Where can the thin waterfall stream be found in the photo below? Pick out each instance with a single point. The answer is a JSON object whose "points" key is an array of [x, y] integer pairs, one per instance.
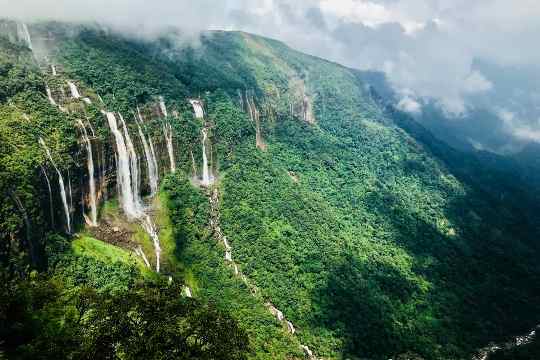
{"points": [[92, 182], [61, 184]]}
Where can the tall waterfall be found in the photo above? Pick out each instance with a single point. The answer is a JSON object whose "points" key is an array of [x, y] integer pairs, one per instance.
{"points": [[74, 91], [153, 152], [90, 165], [53, 70], [127, 180], [197, 108], [51, 209], [139, 251], [162, 106], [150, 228], [206, 180], [134, 164], [62, 186], [168, 134], [150, 161], [24, 34], [49, 95], [123, 173]]}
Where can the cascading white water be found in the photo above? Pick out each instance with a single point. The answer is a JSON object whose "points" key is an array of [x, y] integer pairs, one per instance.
{"points": [[206, 180], [150, 228], [139, 251], [162, 106], [127, 181], [123, 173], [153, 152], [62, 186], [290, 327], [49, 95], [197, 108], [168, 134], [71, 208], [50, 195], [53, 70], [74, 91], [24, 34], [134, 164], [90, 166], [150, 164]]}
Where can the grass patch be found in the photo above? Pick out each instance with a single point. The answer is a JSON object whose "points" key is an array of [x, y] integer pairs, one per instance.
{"points": [[107, 253]]}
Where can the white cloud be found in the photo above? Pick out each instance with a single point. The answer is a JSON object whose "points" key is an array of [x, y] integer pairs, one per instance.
{"points": [[409, 105], [476, 82], [427, 46]]}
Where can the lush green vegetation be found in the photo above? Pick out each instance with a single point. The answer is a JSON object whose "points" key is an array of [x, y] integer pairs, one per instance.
{"points": [[215, 282], [39, 319], [375, 239]]}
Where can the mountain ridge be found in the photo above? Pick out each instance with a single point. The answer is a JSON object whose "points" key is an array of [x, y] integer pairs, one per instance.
{"points": [[354, 228]]}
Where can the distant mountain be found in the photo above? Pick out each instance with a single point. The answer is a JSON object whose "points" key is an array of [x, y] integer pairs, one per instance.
{"points": [[292, 202]]}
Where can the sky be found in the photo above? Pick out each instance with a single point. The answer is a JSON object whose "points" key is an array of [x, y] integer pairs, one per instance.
{"points": [[430, 50]]}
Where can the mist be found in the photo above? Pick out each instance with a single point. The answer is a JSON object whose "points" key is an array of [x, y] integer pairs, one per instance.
{"points": [[440, 52]]}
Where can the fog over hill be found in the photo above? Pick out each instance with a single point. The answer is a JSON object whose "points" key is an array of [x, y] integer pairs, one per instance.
{"points": [[460, 56]]}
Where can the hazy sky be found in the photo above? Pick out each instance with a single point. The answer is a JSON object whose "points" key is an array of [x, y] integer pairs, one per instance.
{"points": [[426, 47]]}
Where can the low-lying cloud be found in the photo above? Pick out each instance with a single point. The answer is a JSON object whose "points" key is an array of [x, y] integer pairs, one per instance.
{"points": [[427, 48]]}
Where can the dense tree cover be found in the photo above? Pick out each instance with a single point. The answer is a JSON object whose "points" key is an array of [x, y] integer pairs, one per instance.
{"points": [[357, 228], [376, 240], [39, 319], [213, 281]]}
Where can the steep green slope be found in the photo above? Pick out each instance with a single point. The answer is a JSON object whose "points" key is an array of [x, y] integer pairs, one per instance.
{"points": [[368, 238]]}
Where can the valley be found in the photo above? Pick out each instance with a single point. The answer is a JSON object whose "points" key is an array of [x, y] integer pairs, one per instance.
{"points": [[264, 196]]}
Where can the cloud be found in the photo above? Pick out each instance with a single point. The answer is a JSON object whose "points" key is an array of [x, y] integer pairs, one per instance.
{"points": [[429, 47], [476, 82], [409, 105]]}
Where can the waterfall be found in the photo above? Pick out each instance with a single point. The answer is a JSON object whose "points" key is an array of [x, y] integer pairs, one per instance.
{"points": [[290, 327], [167, 133], [71, 208], [307, 352], [51, 209], [134, 164], [228, 255], [226, 243], [254, 116], [53, 70], [197, 108], [241, 100], [153, 152], [150, 162], [24, 34], [62, 186], [49, 95], [90, 165], [128, 179], [74, 91], [150, 228], [139, 251], [205, 173], [162, 106], [123, 173]]}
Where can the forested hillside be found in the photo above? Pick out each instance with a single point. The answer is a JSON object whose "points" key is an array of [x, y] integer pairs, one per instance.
{"points": [[234, 198]]}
